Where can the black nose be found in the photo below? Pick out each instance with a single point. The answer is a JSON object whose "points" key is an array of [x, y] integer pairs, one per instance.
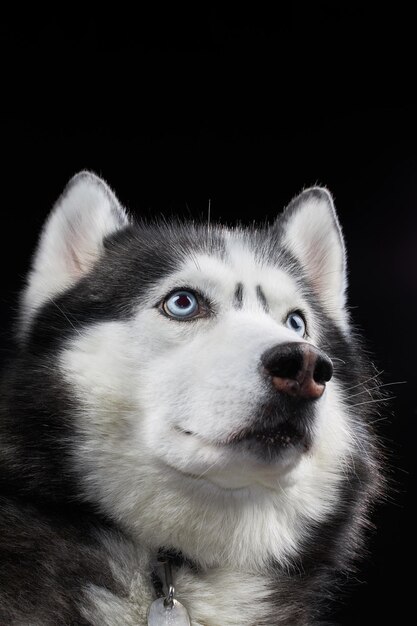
{"points": [[298, 369]]}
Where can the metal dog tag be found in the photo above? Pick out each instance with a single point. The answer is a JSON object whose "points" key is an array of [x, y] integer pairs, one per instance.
{"points": [[162, 613]]}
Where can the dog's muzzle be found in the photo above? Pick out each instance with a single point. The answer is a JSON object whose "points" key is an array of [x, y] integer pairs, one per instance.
{"points": [[295, 374]]}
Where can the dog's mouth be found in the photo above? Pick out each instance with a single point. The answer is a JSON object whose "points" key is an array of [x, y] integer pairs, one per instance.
{"points": [[267, 443], [273, 442], [285, 435]]}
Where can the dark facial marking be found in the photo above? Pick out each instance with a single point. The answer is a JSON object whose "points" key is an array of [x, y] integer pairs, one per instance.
{"points": [[261, 297], [238, 296]]}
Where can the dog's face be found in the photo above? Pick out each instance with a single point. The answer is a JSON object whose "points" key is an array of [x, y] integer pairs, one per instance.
{"points": [[204, 402], [202, 362]]}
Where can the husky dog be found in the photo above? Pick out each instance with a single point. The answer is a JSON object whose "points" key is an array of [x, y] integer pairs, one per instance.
{"points": [[183, 394]]}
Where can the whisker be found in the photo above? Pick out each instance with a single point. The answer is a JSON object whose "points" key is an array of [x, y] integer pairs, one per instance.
{"points": [[380, 419], [376, 400], [334, 358], [366, 381], [377, 387], [65, 315], [397, 382], [208, 469]]}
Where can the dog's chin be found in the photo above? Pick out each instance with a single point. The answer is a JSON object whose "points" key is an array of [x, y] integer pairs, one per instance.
{"points": [[255, 471], [255, 456]]}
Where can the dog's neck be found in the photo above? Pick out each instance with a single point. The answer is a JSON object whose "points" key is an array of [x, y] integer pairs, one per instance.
{"points": [[216, 595], [166, 608], [168, 561]]}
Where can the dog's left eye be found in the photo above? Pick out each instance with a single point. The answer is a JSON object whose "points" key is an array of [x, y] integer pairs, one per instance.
{"points": [[181, 305], [296, 322]]}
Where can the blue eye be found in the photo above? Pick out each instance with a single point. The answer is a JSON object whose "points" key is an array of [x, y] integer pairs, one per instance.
{"points": [[296, 322], [181, 305]]}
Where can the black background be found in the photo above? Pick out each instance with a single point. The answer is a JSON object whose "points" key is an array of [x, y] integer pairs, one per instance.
{"points": [[243, 108]]}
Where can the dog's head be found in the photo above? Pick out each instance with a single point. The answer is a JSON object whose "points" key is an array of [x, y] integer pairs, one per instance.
{"points": [[204, 366]]}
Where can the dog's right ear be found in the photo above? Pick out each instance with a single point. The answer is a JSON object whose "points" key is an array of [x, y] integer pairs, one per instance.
{"points": [[312, 234], [71, 241]]}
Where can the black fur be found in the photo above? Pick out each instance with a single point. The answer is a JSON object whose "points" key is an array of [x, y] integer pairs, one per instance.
{"points": [[238, 297]]}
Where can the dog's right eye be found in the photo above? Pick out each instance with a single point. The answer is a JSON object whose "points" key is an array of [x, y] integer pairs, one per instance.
{"points": [[181, 305]]}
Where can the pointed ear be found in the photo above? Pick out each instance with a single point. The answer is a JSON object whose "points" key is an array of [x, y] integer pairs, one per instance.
{"points": [[312, 233], [71, 240]]}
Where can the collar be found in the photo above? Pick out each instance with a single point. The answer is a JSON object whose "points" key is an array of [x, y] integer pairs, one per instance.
{"points": [[166, 607], [166, 561]]}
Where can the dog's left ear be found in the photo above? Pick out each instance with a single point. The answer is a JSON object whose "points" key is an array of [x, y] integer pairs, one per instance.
{"points": [[71, 242], [312, 234]]}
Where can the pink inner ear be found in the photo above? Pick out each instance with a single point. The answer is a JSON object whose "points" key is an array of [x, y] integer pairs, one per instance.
{"points": [[80, 261], [74, 262], [83, 244]]}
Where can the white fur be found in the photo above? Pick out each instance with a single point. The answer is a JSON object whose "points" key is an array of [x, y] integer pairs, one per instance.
{"points": [[130, 569], [71, 241], [224, 596]]}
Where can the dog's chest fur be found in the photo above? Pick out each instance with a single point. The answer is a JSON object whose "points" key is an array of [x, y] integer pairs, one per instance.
{"points": [[219, 597]]}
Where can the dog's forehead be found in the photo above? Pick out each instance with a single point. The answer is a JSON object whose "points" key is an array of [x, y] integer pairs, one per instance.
{"points": [[241, 260], [245, 253]]}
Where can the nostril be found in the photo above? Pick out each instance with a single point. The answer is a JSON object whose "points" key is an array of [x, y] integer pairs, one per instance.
{"points": [[323, 370], [283, 361], [286, 367]]}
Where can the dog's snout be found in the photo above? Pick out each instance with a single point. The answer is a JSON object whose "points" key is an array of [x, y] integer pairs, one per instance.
{"points": [[298, 369]]}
